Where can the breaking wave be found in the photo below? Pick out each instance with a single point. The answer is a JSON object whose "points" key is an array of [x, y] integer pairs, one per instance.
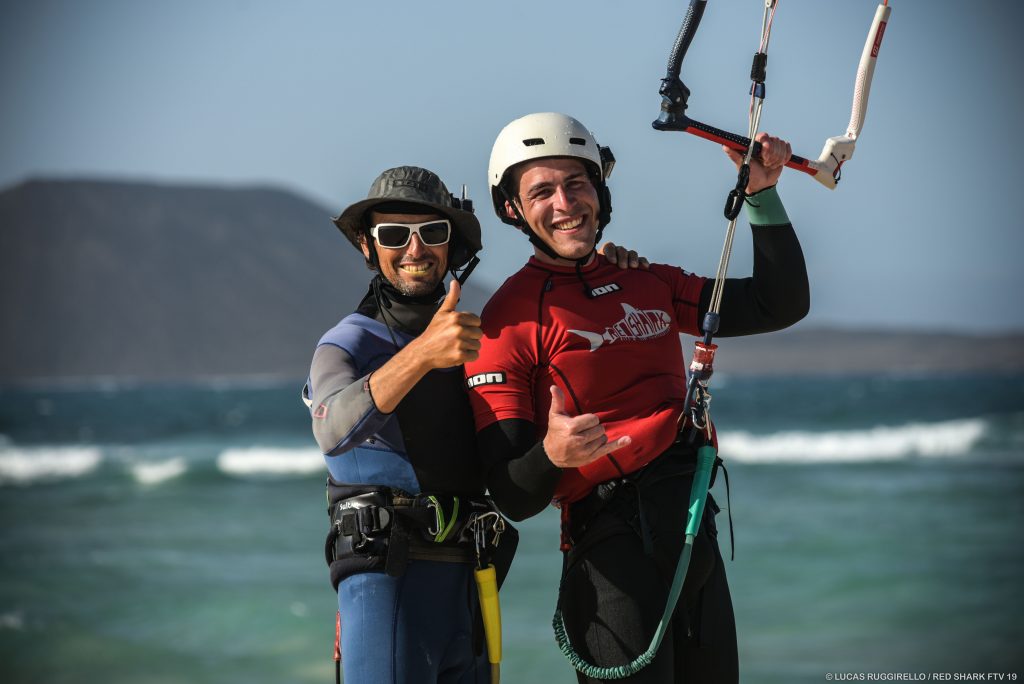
{"points": [[277, 461], [156, 472], [149, 465], [23, 466], [26, 465], [943, 439]]}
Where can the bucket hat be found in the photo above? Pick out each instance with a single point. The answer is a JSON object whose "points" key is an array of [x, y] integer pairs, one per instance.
{"points": [[412, 185]]}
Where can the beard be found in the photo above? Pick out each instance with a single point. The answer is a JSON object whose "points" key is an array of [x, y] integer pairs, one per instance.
{"points": [[407, 284], [417, 289]]}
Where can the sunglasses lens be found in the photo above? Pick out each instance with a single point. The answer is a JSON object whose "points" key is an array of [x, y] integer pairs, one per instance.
{"points": [[392, 235], [397, 235], [434, 233]]}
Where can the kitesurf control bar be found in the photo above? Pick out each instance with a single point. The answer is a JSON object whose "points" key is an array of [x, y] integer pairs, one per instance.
{"points": [[837, 149]]}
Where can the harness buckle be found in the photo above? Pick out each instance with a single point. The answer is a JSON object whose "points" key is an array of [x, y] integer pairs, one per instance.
{"points": [[362, 518]]}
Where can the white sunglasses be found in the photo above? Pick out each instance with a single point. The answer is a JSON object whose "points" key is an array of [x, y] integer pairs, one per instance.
{"points": [[397, 235]]}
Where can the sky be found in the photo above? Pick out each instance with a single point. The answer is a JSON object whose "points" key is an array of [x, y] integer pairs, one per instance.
{"points": [[319, 96]]}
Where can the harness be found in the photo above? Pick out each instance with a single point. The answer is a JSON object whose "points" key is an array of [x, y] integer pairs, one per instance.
{"points": [[574, 521], [374, 528]]}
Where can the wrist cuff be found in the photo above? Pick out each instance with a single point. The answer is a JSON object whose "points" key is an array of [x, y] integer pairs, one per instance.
{"points": [[764, 208]]}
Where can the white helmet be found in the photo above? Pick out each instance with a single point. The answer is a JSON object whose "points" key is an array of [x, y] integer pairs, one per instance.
{"points": [[547, 134]]}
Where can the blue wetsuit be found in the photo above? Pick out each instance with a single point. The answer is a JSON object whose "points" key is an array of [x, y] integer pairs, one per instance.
{"points": [[423, 625]]}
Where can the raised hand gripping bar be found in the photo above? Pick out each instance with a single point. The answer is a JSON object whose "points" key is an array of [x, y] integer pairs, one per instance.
{"points": [[837, 150]]}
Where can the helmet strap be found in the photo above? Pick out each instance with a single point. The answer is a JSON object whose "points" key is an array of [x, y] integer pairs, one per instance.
{"points": [[532, 236]]}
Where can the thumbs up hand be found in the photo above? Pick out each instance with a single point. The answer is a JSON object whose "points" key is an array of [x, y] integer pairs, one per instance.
{"points": [[574, 441], [453, 337], [452, 298]]}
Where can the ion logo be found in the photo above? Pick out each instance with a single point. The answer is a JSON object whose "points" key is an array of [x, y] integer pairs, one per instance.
{"points": [[485, 379], [604, 289]]}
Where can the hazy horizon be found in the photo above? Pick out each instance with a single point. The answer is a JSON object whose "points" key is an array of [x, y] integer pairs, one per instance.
{"points": [[317, 98]]}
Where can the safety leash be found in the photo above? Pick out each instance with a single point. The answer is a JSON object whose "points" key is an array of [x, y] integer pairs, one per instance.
{"points": [[698, 496]]}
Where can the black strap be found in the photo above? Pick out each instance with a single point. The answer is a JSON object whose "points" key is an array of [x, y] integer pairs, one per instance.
{"points": [[719, 463]]}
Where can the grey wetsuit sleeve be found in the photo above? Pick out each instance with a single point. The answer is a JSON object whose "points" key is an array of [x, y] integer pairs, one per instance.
{"points": [[344, 413]]}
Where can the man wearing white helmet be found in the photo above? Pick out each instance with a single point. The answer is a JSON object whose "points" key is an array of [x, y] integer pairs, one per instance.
{"points": [[579, 388]]}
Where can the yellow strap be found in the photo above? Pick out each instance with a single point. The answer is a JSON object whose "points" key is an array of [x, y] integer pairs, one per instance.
{"points": [[490, 609]]}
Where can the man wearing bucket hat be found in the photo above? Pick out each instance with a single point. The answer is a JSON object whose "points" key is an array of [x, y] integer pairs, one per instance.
{"points": [[578, 394], [390, 412], [391, 415]]}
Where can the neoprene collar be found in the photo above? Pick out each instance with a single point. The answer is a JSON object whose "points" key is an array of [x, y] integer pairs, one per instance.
{"points": [[411, 315]]}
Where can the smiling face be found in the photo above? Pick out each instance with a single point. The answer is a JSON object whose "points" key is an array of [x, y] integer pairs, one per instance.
{"points": [[415, 269], [558, 200]]}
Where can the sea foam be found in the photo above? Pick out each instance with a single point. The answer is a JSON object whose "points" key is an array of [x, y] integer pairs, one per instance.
{"points": [[155, 472], [26, 465], [948, 438], [276, 461]]}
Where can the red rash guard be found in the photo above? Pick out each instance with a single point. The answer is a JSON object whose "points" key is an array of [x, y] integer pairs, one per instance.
{"points": [[616, 354]]}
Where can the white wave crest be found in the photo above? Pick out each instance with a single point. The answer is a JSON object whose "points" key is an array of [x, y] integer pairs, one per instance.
{"points": [[270, 461], [950, 438], [14, 621], [155, 472], [27, 465]]}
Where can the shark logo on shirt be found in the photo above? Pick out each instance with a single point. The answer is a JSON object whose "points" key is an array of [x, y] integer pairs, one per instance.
{"points": [[635, 324]]}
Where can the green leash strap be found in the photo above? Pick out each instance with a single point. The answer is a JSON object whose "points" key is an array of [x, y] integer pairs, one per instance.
{"points": [[699, 491], [444, 528], [698, 496]]}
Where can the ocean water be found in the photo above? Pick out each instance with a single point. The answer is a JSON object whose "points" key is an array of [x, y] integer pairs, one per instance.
{"points": [[174, 534]]}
